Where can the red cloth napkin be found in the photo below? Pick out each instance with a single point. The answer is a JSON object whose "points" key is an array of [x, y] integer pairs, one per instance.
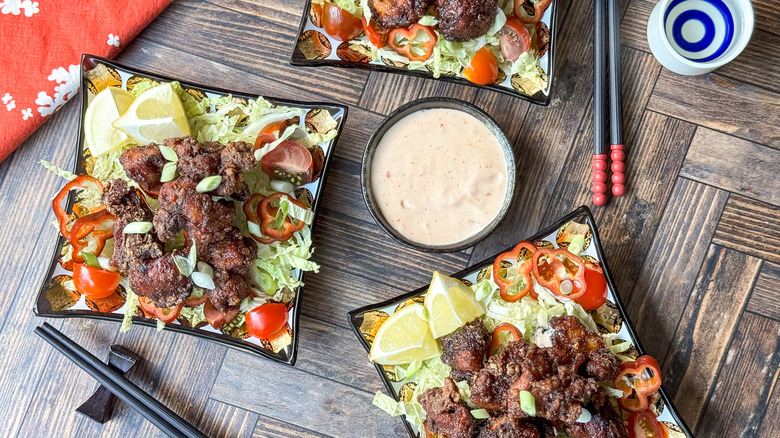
{"points": [[40, 54]]}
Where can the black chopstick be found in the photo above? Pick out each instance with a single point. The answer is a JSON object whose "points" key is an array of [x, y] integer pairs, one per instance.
{"points": [[617, 154], [599, 101], [154, 411]]}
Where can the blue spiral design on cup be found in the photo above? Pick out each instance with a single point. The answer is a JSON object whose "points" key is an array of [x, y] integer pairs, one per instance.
{"points": [[699, 30]]}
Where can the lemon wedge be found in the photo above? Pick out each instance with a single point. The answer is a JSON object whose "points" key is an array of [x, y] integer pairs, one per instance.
{"points": [[404, 338], [154, 116], [450, 304], [105, 108]]}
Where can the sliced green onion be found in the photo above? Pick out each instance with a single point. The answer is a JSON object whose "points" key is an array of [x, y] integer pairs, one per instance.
{"points": [[137, 228], [203, 280], [183, 265], [584, 416], [263, 280], [168, 172], [192, 257], [209, 183], [480, 414], [282, 186], [577, 244], [206, 269], [168, 153], [91, 260], [528, 403], [281, 213]]}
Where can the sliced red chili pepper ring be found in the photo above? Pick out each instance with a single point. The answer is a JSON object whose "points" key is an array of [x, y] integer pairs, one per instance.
{"points": [[89, 226], [267, 212], [250, 208], [405, 42], [512, 271], [638, 379], [496, 343], [59, 211], [165, 315], [560, 271]]}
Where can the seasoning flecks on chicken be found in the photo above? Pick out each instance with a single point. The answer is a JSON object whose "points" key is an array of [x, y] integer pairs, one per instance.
{"points": [[390, 14], [183, 208], [124, 202], [463, 20], [573, 344], [126, 205], [160, 280], [465, 348], [199, 160], [510, 427], [230, 288], [606, 424], [144, 165], [446, 414], [233, 253]]}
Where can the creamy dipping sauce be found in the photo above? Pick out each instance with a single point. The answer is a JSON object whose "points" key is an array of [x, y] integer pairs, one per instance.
{"points": [[439, 176]]}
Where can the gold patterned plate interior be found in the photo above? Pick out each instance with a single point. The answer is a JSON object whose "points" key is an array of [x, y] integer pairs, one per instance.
{"points": [[610, 318], [57, 297], [314, 47]]}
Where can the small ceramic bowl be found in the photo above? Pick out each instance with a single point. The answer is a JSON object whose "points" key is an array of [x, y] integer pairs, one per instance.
{"points": [[431, 103]]}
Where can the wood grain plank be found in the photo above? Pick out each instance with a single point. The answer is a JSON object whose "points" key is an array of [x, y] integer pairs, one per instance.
{"points": [[546, 134], [227, 34], [633, 26], [708, 323], [739, 400], [764, 299], [628, 224], [221, 420], [437, 88], [705, 97], [669, 271], [757, 64], [750, 226], [733, 164], [343, 194], [272, 387], [384, 92], [268, 427], [508, 111], [770, 427]]}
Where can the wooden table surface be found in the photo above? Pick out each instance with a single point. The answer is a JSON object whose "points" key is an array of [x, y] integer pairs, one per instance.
{"points": [[694, 245]]}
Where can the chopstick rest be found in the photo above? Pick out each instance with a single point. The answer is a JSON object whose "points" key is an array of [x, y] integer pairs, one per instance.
{"points": [[101, 404]]}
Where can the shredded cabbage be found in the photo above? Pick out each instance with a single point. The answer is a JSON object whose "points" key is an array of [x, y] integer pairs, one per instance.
{"points": [[193, 315], [131, 306], [60, 172]]}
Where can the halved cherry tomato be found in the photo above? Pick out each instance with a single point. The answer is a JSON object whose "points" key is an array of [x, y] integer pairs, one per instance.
{"points": [[95, 282], [637, 379], [276, 128], [216, 317], [530, 12], [496, 343], [59, 211], [267, 211], [376, 37], [289, 161], [483, 68], [340, 24], [518, 273], [262, 322], [514, 38], [195, 302], [264, 139], [416, 43], [165, 315], [250, 211], [644, 425], [596, 291]]}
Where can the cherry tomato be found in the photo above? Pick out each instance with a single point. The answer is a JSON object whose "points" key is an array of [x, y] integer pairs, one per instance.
{"points": [[515, 39], [483, 68], [596, 290], [164, 314], [289, 161], [217, 318], [95, 282], [264, 139], [276, 128], [264, 321], [340, 24], [377, 38], [644, 425], [530, 12]]}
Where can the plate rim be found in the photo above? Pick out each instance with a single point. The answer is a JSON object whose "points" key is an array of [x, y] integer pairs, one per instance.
{"points": [[581, 212], [545, 101], [88, 59]]}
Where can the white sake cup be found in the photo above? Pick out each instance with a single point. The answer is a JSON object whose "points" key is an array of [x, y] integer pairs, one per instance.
{"points": [[694, 37]]}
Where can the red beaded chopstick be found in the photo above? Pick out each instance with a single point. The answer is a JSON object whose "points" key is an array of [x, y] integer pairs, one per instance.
{"points": [[617, 153]]}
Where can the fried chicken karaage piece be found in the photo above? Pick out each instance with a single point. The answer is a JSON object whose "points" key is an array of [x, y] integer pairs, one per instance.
{"points": [[390, 14], [463, 20]]}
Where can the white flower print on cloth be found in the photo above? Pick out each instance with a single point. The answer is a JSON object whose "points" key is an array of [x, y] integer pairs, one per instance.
{"points": [[6, 98], [15, 7], [26, 113], [69, 82], [113, 40]]}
